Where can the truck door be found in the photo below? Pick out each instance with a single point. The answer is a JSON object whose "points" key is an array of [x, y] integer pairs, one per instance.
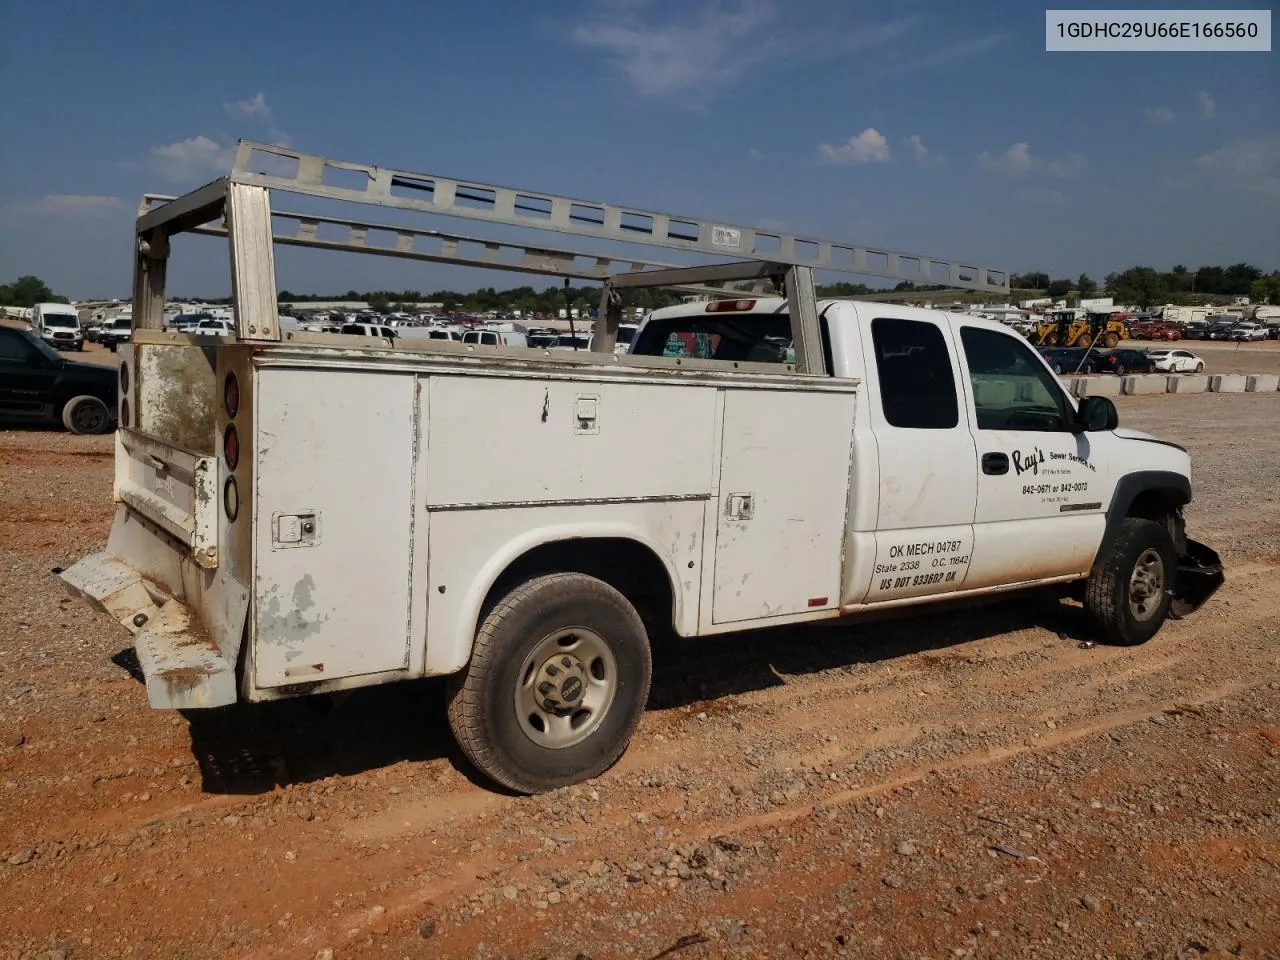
{"points": [[1042, 490], [926, 455]]}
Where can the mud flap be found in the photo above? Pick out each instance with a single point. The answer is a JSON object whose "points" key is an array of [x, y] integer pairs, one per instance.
{"points": [[1199, 577]]}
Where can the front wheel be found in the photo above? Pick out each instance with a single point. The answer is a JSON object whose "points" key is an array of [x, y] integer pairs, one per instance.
{"points": [[1127, 598], [1199, 368], [556, 686]]}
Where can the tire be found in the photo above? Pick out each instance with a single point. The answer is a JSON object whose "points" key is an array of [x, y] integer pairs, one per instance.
{"points": [[1124, 606], [1085, 341], [1200, 367], [518, 651], [1110, 340], [86, 415], [1057, 368], [1051, 339], [1121, 369], [112, 346]]}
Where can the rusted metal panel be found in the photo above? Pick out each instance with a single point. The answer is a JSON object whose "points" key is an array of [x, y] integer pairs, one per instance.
{"points": [[184, 669], [112, 586], [176, 394]]}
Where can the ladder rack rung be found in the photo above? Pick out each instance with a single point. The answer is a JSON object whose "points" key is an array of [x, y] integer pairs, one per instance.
{"points": [[431, 193], [446, 248]]}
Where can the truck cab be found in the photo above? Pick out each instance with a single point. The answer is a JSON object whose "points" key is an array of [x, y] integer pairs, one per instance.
{"points": [[976, 470]]}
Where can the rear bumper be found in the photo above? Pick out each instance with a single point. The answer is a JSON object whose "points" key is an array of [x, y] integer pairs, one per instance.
{"points": [[1200, 574], [183, 667]]}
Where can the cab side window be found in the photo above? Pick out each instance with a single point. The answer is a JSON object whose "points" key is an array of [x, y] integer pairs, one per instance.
{"points": [[14, 349], [1012, 390], [917, 389]]}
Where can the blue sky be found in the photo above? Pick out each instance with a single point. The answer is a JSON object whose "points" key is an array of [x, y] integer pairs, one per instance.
{"points": [[940, 128]]}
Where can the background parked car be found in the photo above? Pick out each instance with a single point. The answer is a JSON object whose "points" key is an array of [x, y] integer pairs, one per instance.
{"points": [[38, 384], [1124, 361], [1070, 359], [1248, 331], [1219, 327], [1176, 361], [118, 331]]}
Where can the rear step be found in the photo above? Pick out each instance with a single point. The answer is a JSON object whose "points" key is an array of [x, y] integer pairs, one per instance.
{"points": [[182, 665]]}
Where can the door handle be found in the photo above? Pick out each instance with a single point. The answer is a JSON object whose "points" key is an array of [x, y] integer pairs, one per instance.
{"points": [[995, 463]]}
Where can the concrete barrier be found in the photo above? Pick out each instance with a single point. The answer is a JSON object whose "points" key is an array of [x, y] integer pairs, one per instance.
{"points": [[1262, 383], [1227, 383], [1145, 384], [1100, 387], [1188, 384], [1071, 384]]}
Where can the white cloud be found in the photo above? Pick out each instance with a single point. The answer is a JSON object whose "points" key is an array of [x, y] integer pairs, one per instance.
{"points": [[195, 158], [1249, 165], [1018, 161], [961, 50], [64, 205], [924, 157], [714, 47], [254, 108], [1207, 106], [869, 146], [1159, 116]]}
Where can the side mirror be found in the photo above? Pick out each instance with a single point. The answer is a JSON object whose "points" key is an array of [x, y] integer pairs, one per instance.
{"points": [[1095, 414]]}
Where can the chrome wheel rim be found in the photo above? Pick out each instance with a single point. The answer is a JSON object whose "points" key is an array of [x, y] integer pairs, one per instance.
{"points": [[1146, 585], [565, 687]]}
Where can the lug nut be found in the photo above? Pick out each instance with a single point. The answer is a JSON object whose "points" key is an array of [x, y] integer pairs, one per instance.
{"points": [[552, 671], [545, 688]]}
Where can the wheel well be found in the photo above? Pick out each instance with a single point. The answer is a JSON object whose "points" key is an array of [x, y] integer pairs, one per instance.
{"points": [[1164, 507], [629, 567]]}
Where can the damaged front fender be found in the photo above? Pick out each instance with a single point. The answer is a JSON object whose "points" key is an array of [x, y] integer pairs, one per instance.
{"points": [[1200, 575]]}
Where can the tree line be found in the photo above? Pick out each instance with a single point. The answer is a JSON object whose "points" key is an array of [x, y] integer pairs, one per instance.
{"points": [[1146, 286], [27, 292]]}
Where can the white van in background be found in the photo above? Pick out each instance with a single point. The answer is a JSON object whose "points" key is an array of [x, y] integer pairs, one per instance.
{"points": [[58, 325]]}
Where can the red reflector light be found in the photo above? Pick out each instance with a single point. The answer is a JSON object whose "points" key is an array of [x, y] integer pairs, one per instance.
{"points": [[231, 395], [231, 446], [817, 601], [729, 306]]}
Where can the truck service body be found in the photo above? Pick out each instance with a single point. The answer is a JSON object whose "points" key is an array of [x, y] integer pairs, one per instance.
{"points": [[752, 460]]}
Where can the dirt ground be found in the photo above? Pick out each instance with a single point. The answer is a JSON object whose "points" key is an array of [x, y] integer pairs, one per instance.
{"points": [[965, 782]]}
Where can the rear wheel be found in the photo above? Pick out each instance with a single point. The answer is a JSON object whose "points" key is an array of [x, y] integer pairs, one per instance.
{"points": [[1085, 341], [86, 415], [1200, 367], [557, 683], [1121, 369], [1110, 340], [1127, 598]]}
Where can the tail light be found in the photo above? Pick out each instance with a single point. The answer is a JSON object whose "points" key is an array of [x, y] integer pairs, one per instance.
{"points": [[231, 446], [231, 395]]}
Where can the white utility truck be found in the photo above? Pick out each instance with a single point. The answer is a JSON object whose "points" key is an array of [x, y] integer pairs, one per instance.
{"points": [[756, 458]]}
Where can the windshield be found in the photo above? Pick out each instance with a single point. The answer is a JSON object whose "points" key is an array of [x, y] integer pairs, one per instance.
{"points": [[122, 323], [63, 321], [626, 334]]}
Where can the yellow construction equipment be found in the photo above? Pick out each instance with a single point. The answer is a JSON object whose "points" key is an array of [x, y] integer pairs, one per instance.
{"points": [[1071, 328]]}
